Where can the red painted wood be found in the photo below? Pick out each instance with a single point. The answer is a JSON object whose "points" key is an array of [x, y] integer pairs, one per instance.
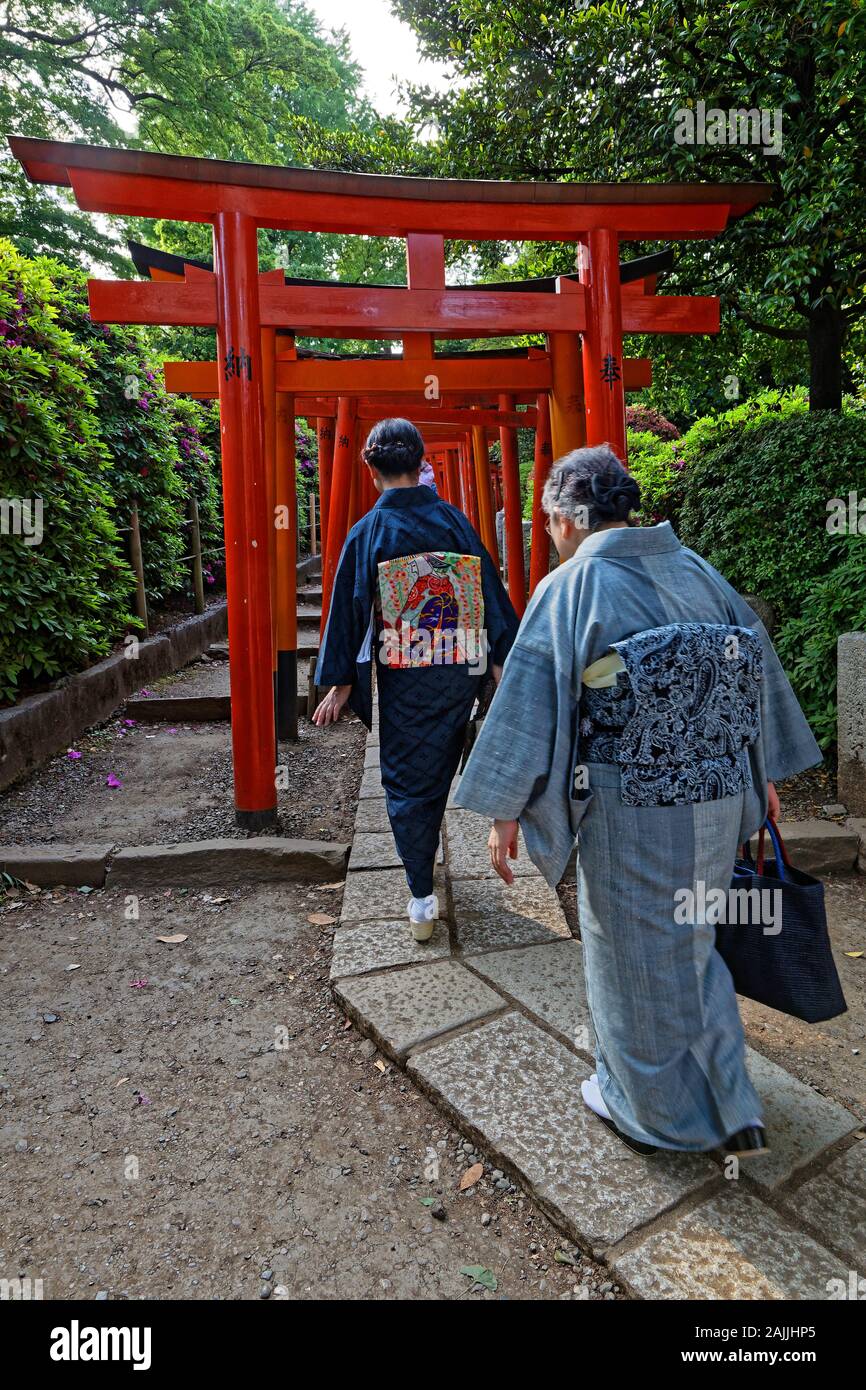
{"points": [[247, 523], [325, 444], [513, 510], [602, 343], [539, 554], [338, 508]]}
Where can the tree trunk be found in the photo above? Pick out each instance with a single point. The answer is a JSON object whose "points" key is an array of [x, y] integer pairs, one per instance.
{"points": [[825, 337]]}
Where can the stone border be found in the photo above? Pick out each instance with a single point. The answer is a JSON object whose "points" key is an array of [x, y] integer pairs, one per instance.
{"points": [[190, 864], [41, 725], [490, 1022]]}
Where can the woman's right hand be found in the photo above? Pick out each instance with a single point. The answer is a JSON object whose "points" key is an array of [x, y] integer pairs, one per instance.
{"points": [[330, 709], [502, 843]]}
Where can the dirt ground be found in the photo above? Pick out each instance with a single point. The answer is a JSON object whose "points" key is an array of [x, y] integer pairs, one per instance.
{"points": [[195, 1119], [177, 785]]}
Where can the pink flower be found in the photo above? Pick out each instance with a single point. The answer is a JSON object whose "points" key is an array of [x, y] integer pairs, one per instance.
{"points": [[139, 984], [130, 723], [72, 753], [112, 781]]}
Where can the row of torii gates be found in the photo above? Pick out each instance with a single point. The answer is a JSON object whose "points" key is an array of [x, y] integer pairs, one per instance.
{"points": [[570, 393]]}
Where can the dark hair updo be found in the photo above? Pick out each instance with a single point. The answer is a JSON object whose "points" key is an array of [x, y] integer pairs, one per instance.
{"points": [[394, 447], [594, 481]]}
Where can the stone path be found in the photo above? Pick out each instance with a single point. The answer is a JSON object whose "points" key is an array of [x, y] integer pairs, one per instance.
{"points": [[489, 1018]]}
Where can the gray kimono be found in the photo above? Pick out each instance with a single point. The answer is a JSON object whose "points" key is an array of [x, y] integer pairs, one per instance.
{"points": [[669, 1048], [620, 582]]}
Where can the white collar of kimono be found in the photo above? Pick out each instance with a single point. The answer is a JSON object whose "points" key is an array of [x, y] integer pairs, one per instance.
{"points": [[630, 540]]}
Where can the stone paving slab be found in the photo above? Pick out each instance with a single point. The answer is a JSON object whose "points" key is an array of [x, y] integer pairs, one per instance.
{"points": [[519, 1090], [372, 816], [371, 783], [403, 1008], [468, 856], [800, 1123], [834, 1203], [371, 755], [728, 1248], [547, 980], [373, 850], [377, 850], [379, 945], [383, 894], [490, 915]]}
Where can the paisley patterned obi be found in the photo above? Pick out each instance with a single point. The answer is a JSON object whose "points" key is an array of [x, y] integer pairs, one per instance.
{"points": [[681, 716]]}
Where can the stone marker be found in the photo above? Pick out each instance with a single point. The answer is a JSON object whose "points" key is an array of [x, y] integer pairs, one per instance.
{"points": [[851, 721], [404, 1008], [731, 1247]]}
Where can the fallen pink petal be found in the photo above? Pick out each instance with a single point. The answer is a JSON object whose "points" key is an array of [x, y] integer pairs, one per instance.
{"points": [[138, 984], [112, 781], [72, 753]]}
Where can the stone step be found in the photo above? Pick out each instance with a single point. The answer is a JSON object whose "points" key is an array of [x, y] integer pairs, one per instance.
{"points": [[731, 1247], [516, 1090]]}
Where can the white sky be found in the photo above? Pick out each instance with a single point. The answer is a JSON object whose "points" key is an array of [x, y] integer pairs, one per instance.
{"points": [[384, 46]]}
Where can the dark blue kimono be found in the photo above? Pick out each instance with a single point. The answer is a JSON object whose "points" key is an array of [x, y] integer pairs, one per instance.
{"points": [[423, 711]]}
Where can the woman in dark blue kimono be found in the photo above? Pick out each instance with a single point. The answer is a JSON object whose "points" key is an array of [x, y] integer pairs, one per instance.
{"points": [[417, 594]]}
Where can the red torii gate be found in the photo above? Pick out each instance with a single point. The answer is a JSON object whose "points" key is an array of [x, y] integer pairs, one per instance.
{"points": [[237, 199]]}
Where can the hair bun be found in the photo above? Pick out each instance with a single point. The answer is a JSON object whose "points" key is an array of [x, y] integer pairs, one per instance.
{"points": [[614, 497]]}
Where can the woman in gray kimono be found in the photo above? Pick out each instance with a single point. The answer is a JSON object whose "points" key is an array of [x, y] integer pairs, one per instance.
{"points": [[667, 719]]}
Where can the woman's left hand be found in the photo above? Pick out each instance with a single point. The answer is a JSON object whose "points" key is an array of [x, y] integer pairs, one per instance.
{"points": [[502, 844], [773, 808]]}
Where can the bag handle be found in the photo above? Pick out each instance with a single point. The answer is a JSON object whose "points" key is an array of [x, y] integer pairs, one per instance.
{"points": [[779, 850]]}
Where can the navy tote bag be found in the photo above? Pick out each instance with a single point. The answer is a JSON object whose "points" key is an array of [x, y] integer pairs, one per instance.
{"points": [[790, 968]]}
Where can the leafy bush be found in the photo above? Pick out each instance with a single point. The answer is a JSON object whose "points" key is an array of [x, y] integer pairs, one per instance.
{"points": [[65, 597], [86, 428], [756, 489], [657, 469], [642, 419], [807, 642], [143, 427]]}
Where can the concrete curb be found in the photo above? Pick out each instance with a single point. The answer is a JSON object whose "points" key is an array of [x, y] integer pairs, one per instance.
{"points": [[192, 864], [48, 866], [41, 725], [817, 846], [198, 864], [190, 709]]}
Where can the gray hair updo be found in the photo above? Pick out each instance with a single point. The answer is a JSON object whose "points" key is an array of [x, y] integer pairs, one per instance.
{"points": [[592, 485]]}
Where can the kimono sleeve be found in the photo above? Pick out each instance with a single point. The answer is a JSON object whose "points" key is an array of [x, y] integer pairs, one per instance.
{"points": [[500, 619], [787, 743], [512, 756], [348, 624]]}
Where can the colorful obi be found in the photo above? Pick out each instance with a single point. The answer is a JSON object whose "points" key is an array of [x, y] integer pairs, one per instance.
{"points": [[430, 610]]}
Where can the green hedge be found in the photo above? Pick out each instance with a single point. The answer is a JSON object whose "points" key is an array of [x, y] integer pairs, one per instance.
{"points": [[755, 488], [86, 428]]}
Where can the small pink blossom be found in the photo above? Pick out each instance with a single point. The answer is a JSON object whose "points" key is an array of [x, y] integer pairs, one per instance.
{"points": [[112, 781], [130, 723], [139, 984], [72, 753]]}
